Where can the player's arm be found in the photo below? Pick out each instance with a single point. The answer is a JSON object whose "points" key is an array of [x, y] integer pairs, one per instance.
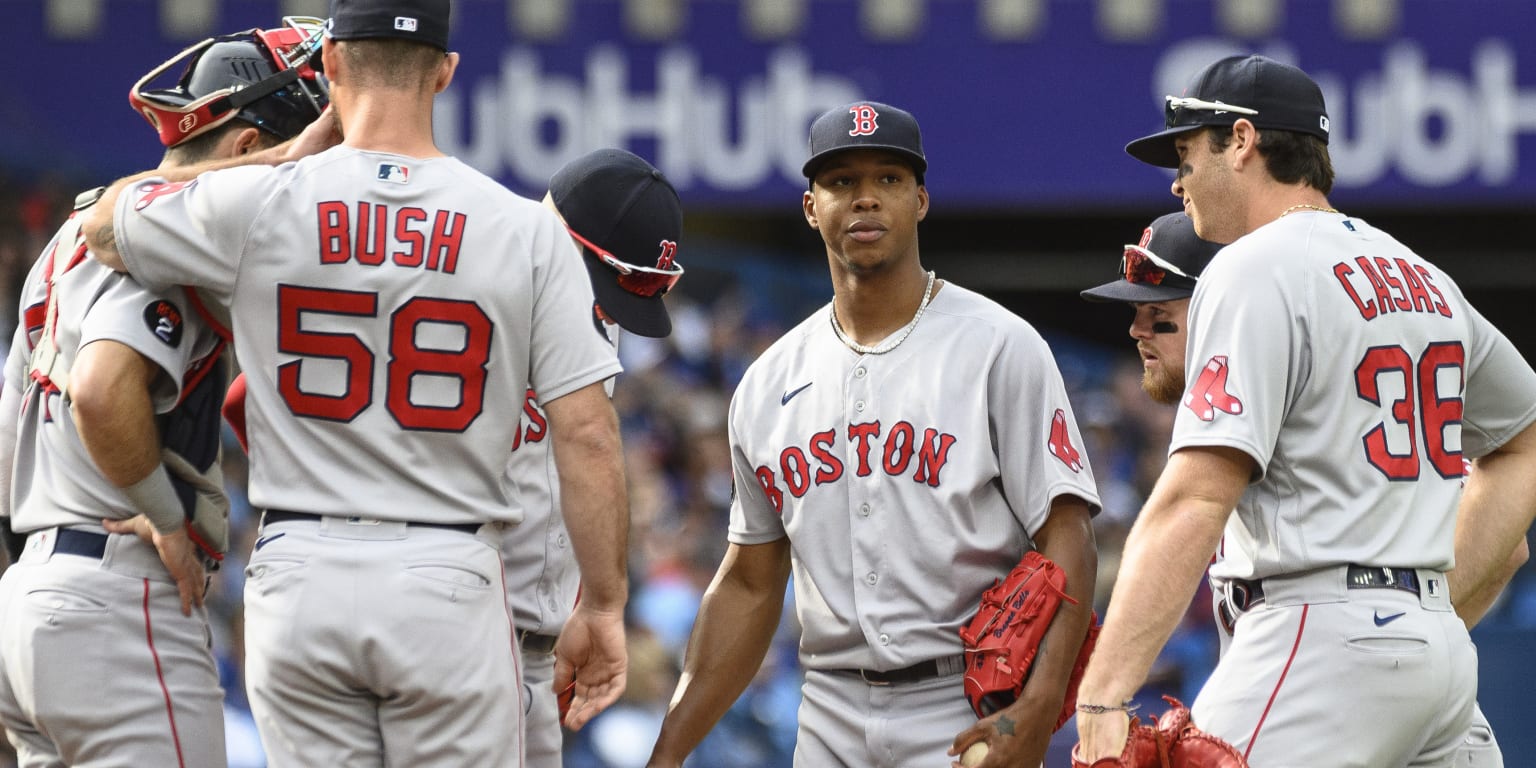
{"points": [[1474, 606], [584, 434], [1020, 733], [99, 225], [10, 418], [1165, 556], [114, 413], [1496, 510], [731, 635]]}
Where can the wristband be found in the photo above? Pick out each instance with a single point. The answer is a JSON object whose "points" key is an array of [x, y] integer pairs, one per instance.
{"points": [[1126, 706], [156, 498]]}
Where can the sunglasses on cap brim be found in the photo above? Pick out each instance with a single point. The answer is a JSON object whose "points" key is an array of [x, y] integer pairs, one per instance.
{"points": [[1175, 108], [292, 47], [641, 281], [1139, 265]]}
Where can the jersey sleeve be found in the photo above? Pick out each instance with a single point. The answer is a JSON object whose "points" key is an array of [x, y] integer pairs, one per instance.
{"points": [[1500, 399], [1243, 357], [1039, 447], [16, 360], [570, 349], [755, 518], [193, 232], [158, 325]]}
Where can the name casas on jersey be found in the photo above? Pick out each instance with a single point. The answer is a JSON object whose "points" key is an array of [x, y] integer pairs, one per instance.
{"points": [[407, 236], [893, 452], [1380, 286]]}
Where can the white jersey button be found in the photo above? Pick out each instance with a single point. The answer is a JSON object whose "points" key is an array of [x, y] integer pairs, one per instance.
{"points": [[864, 509], [885, 639], [871, 578], [560, 541], [858, 373], [859, 406]]}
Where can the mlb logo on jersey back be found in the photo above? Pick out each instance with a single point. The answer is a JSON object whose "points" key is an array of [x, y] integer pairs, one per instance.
{"points": [[398, 174]]}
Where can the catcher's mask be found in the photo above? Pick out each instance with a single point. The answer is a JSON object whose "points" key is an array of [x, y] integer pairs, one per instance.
{"points": [[264, 77]]}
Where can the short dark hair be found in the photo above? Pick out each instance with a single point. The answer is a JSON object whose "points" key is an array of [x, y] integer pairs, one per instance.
{"points": [[383, 62], [200, 147], [1290, 156]]}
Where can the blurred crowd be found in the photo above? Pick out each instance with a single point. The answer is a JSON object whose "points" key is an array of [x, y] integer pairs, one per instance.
{"points": [[672, 402]]}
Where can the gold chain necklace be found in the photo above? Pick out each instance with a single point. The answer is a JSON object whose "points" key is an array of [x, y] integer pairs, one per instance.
{"points": [[885, 346], [1308, 206]]}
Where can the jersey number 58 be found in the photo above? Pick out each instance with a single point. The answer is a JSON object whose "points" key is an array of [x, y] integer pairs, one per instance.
{"points": [[406, 359]]}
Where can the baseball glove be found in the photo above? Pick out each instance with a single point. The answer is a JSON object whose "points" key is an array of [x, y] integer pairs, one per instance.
{"points": [[1172, 741], [1002, 639]]}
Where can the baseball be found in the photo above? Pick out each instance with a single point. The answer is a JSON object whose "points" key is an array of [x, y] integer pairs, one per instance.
{"points": [[974, 754]]}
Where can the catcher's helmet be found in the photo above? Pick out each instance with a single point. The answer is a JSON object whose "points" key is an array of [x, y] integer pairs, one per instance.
{"points": [[263, 77]]}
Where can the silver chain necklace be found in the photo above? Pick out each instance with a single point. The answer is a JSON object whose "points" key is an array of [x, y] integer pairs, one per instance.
{"points": [[887, 345]]}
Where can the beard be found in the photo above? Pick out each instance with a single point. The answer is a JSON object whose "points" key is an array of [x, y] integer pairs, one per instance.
{"points": [[1162, 385]]}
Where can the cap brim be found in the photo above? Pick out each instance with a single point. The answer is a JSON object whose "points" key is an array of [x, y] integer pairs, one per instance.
{"points": [[1158, 148], [919, 163], [1135, 293], [640, 315]]}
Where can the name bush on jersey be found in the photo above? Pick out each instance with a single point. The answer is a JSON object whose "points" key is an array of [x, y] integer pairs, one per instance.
{"points": [[894, 452]]}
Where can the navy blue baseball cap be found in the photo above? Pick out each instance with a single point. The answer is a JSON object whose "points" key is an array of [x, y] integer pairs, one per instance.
{"points": [[866, 125], [1263, 91], [628, 219], [422, 21], [1162, 267]]}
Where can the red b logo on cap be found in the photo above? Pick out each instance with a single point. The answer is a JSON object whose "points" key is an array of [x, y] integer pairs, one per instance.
{"points": [[863, 120]]}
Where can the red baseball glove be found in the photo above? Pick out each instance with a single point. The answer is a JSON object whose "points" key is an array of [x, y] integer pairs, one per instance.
{"points": [[1172, 741], [1002, 639]]}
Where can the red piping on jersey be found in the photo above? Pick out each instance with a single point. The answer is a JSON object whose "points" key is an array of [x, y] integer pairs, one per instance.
{"points": [[202, 310], [1300, 628], [200, 371], [203, 543], [170, 712]]}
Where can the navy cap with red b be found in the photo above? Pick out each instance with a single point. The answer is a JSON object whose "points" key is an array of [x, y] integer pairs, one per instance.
{"points": [[866, 125], [423, 21], [1263, 91]]}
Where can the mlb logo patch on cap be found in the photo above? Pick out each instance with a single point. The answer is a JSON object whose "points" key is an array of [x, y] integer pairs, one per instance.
{"points": [[405, 24]]}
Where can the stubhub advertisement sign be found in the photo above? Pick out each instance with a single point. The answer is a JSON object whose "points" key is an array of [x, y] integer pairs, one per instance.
{"points": [[1024, 103]]}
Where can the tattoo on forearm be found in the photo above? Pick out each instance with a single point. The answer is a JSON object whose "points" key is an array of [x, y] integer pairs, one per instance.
{"points": [[106, 235], [1005, 726]]}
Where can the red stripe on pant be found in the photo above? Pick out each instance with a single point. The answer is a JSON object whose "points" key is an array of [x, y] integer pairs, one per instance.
{"points": [[170, 712]]}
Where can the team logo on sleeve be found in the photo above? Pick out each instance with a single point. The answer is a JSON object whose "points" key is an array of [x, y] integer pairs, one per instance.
{"points": [[164, 321], [149, 193], [1060, 443], [1209, 394]]}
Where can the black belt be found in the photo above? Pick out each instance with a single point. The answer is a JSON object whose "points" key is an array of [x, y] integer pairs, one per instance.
{"points": [[949, 665], [1243, 595], [69, 541], [536, 643], [285, 516]]}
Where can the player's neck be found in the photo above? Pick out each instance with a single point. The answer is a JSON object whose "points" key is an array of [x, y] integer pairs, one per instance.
{"points": [[871, 307], [376, 121], [1277, 200]]}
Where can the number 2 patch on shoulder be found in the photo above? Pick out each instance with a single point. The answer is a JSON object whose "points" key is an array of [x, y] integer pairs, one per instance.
{"points": [[164, 320]]}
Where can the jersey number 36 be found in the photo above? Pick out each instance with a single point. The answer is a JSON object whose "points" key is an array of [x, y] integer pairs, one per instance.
{"points": [[406, 358], [1430, 404]]}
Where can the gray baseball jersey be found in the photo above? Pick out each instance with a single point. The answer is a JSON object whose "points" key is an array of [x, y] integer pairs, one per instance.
{"points": [[1356, 376], [378, 303], [906, 482], [112, 618]]}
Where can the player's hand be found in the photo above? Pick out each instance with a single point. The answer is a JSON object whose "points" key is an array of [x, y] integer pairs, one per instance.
{"points": [[1101, 735], [591, 652], [1016, 735], [318, 136], [181, 557]]}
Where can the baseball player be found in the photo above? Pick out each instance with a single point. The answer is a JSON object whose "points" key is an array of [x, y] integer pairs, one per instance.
{"points": [[898, 451], [386, 300], [626, 220], [1341, 379], [104, 644], [1157, 278]]}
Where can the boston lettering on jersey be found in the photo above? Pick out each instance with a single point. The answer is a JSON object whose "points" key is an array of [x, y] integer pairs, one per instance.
{"points": [[897, 452], [403, 235], [537, 426], [1390, 293]]}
